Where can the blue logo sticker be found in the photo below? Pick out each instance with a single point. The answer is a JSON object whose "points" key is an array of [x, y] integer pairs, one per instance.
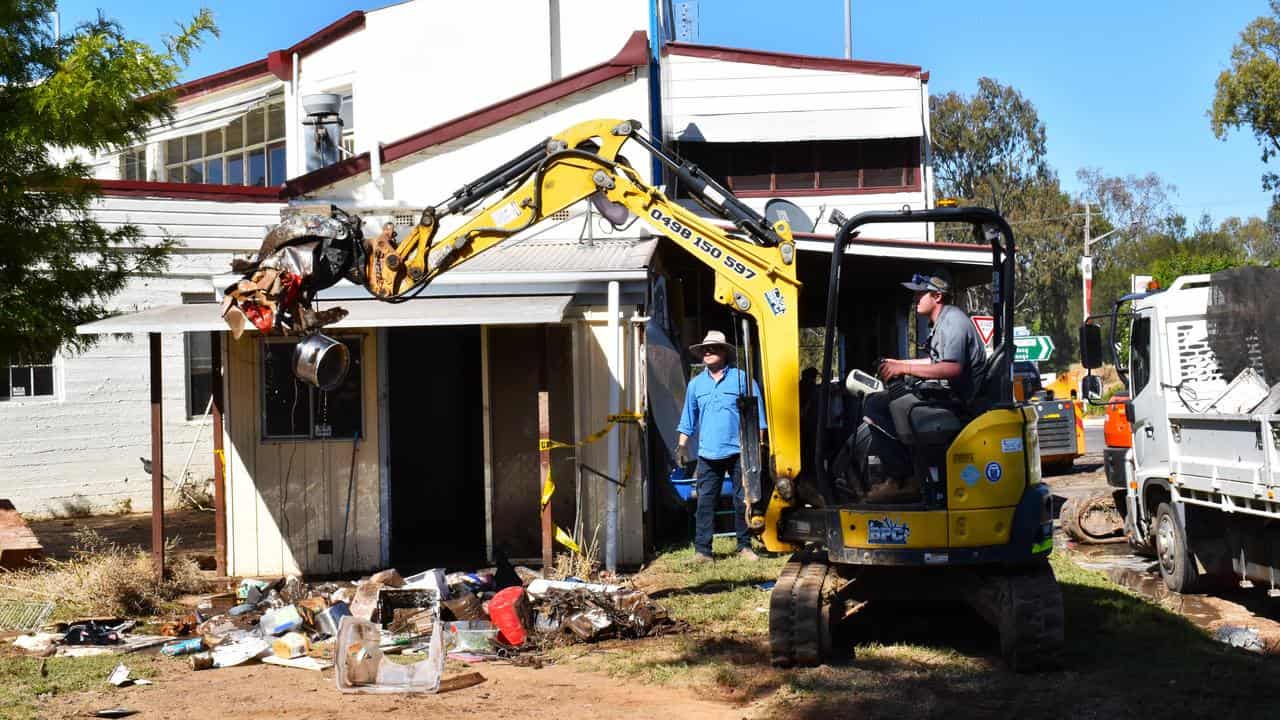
{"points": [[994, 471], [887, 532], [970, 475]]}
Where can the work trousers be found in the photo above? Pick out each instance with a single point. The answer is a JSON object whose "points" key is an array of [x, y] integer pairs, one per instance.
{"points": [[710, 474]]}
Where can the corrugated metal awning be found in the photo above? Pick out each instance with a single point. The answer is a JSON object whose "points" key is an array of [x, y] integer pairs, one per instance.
{"points": [[496, 310]]}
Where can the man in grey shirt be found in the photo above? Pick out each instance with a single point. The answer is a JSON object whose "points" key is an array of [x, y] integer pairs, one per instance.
{"points": [[956, 352]]}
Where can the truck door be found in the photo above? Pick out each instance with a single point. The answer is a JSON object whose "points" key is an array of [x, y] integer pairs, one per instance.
{"points": [[1149, 412]]}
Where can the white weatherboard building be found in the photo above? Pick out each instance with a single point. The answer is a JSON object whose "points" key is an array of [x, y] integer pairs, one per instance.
{"points": [[428, 454]]}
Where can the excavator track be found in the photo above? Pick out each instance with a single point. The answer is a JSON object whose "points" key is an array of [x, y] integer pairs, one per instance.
{"points": [[1025, 606], [799, 612]]}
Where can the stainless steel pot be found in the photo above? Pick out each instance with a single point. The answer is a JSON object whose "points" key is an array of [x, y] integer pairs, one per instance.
{"points": [[321, 361]]}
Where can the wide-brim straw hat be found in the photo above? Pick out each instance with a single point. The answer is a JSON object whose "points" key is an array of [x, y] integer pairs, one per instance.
{"points": [[714, 338]]}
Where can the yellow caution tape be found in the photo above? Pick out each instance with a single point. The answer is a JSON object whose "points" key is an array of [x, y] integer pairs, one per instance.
{"points": [[222, 457], [548, 488], [563, 538]]}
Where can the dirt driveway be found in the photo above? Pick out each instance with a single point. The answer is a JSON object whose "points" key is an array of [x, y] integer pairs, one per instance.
{"points": [[263, 692]]}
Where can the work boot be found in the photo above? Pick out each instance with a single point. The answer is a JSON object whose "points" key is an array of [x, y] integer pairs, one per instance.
{"points": [[747, 553], [699, 558]]}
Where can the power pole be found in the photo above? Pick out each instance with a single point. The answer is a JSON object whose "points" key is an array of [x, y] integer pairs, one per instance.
{"points": [[1086, 265], [848, 29]]}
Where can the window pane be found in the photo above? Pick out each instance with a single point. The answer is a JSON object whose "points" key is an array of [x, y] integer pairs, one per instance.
{"points": [[140, 166], [235, 134], [20, 385], [257, 168], [195, 173], [882, 163], [43, 379], [195, 147], [199, 372], [174, 174], [255, 133], [173, 151], [793, 165], [213, 142], [750, 166], [837, 164], [213, 171], [275, 122], [286, 406], [347, 114], [275, 163], [235, 169], [338, 412], [128, 166]]}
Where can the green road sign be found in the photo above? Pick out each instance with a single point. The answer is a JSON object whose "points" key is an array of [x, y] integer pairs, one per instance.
{"points": [[1033, 347]]}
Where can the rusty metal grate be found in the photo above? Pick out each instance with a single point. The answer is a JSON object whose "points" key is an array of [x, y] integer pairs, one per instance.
{"points": [[24, 615]]}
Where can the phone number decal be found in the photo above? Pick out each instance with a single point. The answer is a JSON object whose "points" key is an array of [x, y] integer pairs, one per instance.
{"points": [[679, 230]]}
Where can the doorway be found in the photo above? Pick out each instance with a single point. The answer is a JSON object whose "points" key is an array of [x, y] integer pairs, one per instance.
{"points": [[436, 448]]}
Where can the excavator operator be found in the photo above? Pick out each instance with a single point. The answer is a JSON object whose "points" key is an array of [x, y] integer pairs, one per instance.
{"points": [[950, 374]]}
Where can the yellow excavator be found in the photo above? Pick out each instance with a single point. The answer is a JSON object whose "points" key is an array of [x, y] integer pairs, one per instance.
{"points": [[979, 527]]}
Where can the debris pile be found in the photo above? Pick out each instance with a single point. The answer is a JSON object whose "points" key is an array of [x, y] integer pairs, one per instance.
{"points": [[356, 628]]}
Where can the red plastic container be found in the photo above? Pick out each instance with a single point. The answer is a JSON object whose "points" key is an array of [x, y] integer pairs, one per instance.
{"points": [[509, 612]]}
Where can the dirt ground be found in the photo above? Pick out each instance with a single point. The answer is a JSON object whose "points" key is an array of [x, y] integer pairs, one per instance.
{"points": [[264, 692], [193, 529]]}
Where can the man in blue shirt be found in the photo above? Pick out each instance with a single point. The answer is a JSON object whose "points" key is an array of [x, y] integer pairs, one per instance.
{"points": [[711, 409]]}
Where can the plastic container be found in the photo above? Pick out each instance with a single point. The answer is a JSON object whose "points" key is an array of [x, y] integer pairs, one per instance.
{"points": [[470, 636], [509, 611], [281, 621], [183, 647]]}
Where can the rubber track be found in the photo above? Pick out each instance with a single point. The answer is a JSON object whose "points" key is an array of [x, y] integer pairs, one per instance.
{"points": [[798, 634]]}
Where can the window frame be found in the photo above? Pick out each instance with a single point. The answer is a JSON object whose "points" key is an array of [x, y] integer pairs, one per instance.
{"points": [[313, 394], [138, 155], [224, 156], [911, 168], [54, 393], [192, 299]]}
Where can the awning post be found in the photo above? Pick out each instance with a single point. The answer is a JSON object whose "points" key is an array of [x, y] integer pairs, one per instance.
{"points": [[219, 460], [157, 461]]}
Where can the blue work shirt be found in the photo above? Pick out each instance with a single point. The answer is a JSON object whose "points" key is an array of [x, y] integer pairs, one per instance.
{"points": [[711, 408]]}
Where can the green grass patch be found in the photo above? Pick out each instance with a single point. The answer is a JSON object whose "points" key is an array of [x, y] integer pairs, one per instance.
{"points": [[1124, 656], [22, 688]]}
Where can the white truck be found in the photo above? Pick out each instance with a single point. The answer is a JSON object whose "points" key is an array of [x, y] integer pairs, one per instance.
{"points": [[1202, 480]]}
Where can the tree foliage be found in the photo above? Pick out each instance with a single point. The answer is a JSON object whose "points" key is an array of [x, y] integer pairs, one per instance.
{"points": [[94, 90], [1248, 93]]}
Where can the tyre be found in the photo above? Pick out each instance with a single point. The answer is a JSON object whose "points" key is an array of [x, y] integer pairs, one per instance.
{"points": [[1173, 551]]}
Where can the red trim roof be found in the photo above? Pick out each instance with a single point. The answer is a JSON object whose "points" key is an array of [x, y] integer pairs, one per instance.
{"points": [[188, 191], [632, 55], [806, 62], [277, 62], [891, 242]]}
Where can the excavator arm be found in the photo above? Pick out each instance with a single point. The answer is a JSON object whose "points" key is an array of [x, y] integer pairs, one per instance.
{"points": [[754, 266]]}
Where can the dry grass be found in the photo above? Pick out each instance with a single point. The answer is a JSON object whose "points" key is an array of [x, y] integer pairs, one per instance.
{"points": [[103, 578], [582, 566]]}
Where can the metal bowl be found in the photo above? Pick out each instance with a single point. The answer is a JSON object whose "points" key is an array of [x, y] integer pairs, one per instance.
{"points": [[321, 361]]}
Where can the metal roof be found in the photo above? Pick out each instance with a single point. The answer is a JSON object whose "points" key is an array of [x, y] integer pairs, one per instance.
{"points": [[547, 255], [496, 310]]}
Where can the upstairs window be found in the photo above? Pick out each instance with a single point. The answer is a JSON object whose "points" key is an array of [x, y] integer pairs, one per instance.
{"points": [[248, 151], [133, 164], [809, 167]]}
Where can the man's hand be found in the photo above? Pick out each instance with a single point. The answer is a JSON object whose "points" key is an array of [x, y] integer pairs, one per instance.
{"points": [[890, 369], [682, 455]]}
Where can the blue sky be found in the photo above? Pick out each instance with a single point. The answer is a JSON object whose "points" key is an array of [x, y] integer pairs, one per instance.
{"points": [[1122, 86]]}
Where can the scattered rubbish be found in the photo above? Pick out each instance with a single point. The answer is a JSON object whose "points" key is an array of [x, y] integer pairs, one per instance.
{"points": [[291, 645], [765, 585], [281, 620], [117, 712], [183, 647], [362, 667], [327, 621], [396, 605], [509, 611], [40, 643], [24, 615], [458, 682], [540, 587], [365, 603], [120, 677], [250, 591], [464, 605], [470, 636], [181, 627], [429, 580], [19, 547], [128, 644], [1245, 638], [299, 663], [93, 632]]}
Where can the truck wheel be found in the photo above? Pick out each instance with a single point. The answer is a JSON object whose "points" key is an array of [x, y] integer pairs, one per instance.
{"points": [[1173, 550]]}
